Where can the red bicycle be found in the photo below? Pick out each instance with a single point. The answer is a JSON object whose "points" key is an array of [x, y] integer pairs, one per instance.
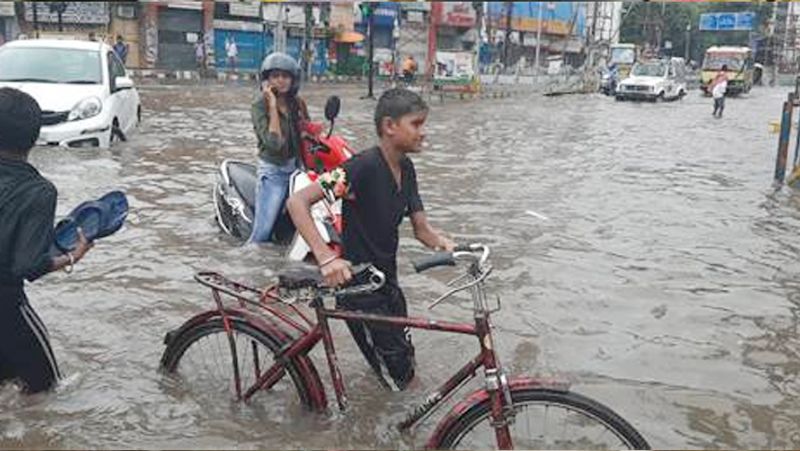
{"points": [[254, 342]]}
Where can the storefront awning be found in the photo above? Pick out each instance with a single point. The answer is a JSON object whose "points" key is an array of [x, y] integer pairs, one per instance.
{"points": [[349, 37]]}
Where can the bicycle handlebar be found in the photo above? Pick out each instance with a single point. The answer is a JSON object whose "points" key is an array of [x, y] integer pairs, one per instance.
{"points": [[449, 258]]}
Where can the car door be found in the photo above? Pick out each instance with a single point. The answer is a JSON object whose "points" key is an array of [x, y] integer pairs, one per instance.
{"points": [[121, 99]]}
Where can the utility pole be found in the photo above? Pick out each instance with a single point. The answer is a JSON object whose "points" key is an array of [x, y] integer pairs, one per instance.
{"points": [[539, 36], [35, 18], [308, 9], [280, 34], [509, 6], [772, 23], [478, 7], [368, 13], [688, 39]]}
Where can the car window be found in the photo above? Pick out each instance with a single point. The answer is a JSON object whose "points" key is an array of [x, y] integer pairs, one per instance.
{"points": [[50, 65]]}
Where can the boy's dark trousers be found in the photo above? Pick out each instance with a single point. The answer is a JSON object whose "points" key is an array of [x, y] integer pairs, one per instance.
{"points": [[388, 349], [25, 352]]}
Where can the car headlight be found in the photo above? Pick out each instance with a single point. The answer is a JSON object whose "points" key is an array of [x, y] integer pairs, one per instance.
{"points": [[85, 109]]}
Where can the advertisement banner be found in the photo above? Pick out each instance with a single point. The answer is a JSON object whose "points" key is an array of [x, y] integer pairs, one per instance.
{"points": [[454, 66], [458, 14]]}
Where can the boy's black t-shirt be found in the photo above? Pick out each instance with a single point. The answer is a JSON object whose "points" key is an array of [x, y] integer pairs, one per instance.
{"points": [[373, 208], [27, 209]]}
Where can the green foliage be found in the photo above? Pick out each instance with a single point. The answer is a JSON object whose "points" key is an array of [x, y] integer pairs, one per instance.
{"points": [[677, 16]]}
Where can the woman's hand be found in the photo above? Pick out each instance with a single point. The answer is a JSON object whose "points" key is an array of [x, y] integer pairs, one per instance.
{"points": [[269, 94]]}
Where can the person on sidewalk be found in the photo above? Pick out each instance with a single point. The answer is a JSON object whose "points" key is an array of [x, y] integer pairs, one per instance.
{"points": [[232, 52], [718, 88], [409, 69], [28, 207], [121, 49], [277, 114], [200, 55], [378, 187]]}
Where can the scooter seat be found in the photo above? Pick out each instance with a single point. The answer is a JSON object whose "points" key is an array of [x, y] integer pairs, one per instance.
{"points": [[243, 177], [299, 275]]}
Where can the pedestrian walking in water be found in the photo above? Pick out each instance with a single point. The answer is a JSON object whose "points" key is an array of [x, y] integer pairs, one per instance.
{"points": [[28, 207], [718, 88]]}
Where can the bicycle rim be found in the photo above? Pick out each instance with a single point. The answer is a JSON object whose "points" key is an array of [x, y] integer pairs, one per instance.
{"points": [[200, 358], [546, 419]]}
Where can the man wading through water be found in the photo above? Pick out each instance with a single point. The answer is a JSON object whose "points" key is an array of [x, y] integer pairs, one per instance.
{"points": [[378, 187], [28, 207]]}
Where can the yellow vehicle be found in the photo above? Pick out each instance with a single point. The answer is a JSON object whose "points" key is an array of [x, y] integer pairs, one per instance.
{"points": [[624, 56], [740, 68]]}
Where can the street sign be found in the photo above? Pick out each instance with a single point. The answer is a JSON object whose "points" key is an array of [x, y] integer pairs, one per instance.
{"points": [[727, 21]]}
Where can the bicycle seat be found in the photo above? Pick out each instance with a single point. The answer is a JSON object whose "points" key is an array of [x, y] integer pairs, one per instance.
{"points": [[299, 275]]}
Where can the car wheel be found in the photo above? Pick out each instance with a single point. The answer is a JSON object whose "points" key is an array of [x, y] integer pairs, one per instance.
{"points": [[138, 115]]}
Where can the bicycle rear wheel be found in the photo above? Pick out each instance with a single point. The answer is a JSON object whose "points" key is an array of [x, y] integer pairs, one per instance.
{"points": [[202, 358], [545, 419]]}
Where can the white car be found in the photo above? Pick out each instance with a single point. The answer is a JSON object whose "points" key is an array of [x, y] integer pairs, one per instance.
{"points": [[654, 80], [86, 96]]}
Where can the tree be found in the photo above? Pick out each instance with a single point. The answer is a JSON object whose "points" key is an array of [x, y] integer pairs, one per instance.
{"points": [[642, 22]]}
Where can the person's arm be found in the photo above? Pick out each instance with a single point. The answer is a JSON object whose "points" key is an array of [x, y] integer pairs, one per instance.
{"points": [[423, 231], [31, 257], [70, 258], [335, 270], [427, 235]]}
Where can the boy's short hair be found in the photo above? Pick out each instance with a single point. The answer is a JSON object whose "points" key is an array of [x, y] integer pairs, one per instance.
{"points": [[396, 103], [20, 120], [724, 67]]}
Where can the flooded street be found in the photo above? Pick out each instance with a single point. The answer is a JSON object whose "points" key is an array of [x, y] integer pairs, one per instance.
{"points": [[639, 249]]}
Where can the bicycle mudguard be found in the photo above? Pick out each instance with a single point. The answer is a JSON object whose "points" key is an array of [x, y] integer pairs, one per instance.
{"points": [[305, 366], [481, 395]]}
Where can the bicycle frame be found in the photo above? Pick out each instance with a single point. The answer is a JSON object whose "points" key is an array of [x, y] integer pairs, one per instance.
{"points": [[497, 384]]}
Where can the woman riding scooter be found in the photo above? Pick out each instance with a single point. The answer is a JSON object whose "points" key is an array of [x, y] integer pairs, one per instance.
{"points": [[277, 114]]}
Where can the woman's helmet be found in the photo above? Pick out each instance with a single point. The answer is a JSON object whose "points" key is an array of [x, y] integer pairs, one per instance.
{"points": [[284, 62]]}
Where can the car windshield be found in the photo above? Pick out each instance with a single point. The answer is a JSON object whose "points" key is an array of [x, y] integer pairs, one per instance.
{"points": [[650, 70], [50, 65], [715, 61], [622, 56]]}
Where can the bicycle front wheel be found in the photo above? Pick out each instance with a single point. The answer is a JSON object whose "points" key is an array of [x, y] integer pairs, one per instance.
{"points": [[545, 419]]}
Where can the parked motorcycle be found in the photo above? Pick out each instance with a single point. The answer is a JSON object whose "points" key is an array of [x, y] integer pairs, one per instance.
{"points": [[235, 189]]}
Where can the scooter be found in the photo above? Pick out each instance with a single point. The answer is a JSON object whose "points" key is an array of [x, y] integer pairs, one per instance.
{"points": [[235, 189]]}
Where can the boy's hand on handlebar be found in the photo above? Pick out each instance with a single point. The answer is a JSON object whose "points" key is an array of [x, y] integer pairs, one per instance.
{"points": [[337, 272], [445, 244]]}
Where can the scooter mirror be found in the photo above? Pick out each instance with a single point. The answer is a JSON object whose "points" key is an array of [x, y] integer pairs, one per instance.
{"points": [[332, 107]]}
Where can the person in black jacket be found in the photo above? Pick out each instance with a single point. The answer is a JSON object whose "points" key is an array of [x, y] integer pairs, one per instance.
{"points": [[27, 209]]}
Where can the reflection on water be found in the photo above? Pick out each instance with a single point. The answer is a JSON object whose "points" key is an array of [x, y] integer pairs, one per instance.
{"points": [[658, 272]]}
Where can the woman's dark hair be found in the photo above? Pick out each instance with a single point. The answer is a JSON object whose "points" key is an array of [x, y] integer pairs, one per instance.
{"points": [[396, 103], [20, 120]]}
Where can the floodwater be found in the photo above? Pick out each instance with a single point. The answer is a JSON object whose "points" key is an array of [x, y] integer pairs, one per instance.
{"points": [[640, 253]]}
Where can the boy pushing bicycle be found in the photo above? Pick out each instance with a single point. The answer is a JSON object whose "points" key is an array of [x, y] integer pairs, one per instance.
{"points": [[378, 187]]}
